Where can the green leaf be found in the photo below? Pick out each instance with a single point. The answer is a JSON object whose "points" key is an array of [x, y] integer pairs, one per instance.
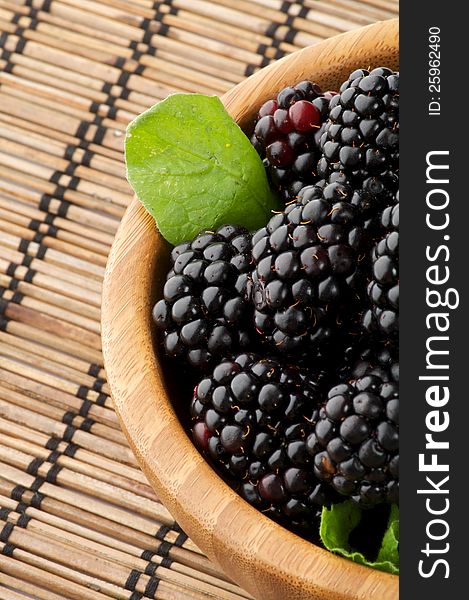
{"points": [[193, 168], [338, 522], [389, 552]]}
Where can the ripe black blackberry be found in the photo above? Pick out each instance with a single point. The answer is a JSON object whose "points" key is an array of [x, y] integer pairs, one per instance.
{"points": [[371, 356], [205, 310], [251, 418], [366, 353], [308, 281], [361, 136], [287, 133], [355, 443], [383, 289]]}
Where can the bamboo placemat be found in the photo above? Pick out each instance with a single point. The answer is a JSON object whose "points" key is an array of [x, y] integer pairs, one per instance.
{"points": [[77, 517]]}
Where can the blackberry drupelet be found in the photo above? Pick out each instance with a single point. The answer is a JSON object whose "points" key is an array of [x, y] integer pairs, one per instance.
{"points": [[308, 284], [251, 418], [355, 443], [205, 311], [371, 356], [361, 136], [383, 289], [287, 133]]}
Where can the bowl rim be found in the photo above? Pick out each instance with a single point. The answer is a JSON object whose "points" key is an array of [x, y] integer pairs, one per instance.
{"points": [[213, 515]]}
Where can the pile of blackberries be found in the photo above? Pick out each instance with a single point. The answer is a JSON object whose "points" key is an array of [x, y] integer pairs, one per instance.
{"points": [[291, 332]]}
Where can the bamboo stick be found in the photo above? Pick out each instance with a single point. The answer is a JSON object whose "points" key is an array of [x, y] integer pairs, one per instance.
{"points": [[83, 266], [73, 282], [49, 324], [60, 252], [45, 98], [113, 441], [374, 12], [52, 298], [44, 275], [107, 23], [20, 227], [77, 466], [71, 92], [134, 519], [92, 59], [362, 16], [71, 231], [239, 32], [134, 531], [55, 355], [19, 408], [381, 4], [102, 17], [248, 39], [57, 360], [10, 594], [75, 213], [97, 191], [28, 218], [81, 456], [16, 148], [28, 588], [54, 311], [226, 33], [60, 342], [15, 172], [118, 562], [37, 71], [179, 78], [76, 481], [58, 148], [128, 556], [95, 441], [91, 65], [52, 16], [53, 134], [25, 565], [46, 386], [78, 378], [58, 120], [198, 569], [322, 25]]}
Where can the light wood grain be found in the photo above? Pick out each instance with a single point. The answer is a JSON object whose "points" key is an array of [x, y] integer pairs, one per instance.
{"points": [[264, 558]]}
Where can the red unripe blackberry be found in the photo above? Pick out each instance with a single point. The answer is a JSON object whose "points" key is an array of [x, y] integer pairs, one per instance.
{"points": [[304, 116], [286, 136]]}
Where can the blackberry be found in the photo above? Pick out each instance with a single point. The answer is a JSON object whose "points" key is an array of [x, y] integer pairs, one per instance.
{"points": [[251, 418], [361, 136], [355, 443], [383, 289], [371, 356], [308, 283], [205, 310], [287, 133]]}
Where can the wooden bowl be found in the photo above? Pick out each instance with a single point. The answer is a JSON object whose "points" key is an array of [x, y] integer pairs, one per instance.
{"points": [[264, 558]]}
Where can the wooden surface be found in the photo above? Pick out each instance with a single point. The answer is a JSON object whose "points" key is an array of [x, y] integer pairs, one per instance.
{"points": [[263, 557], [77, 517]]}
